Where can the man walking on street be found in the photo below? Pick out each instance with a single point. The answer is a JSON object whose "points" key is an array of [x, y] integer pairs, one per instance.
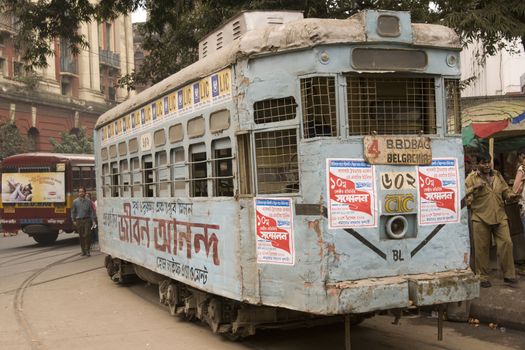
{"points": [[486, 192], [83, 217]]}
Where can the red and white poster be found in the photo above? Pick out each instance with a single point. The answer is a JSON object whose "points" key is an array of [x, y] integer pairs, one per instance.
{"points": [[351, 193], [438, 186], [274, 231]]}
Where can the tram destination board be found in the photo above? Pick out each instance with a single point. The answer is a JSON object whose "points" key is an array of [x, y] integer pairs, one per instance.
{"points": [[401, 150]]}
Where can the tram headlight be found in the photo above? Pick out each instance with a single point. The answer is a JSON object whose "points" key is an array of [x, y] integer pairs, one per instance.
{"points": [[397, 227], [452, 60]]}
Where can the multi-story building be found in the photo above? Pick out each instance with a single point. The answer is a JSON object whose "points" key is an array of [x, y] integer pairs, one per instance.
{"points": [[72, 91]]}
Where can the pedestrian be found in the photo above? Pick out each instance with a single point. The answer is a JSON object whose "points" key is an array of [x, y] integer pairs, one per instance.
{"points": [[83, 217], [487, 192], [94, 226], [518, 187]]}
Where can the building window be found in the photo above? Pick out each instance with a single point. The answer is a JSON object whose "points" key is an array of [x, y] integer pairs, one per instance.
{"points": [[198, 171], [274, 110], [390, 105], [319, 107], [222, 168], [277, 162]]}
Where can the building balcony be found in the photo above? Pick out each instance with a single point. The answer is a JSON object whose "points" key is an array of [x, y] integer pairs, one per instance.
{"points": [[7, 23], [68, 65], [109, 58]]}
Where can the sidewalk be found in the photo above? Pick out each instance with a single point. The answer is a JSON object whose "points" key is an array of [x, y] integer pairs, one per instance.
{"points": [[501, 303]]}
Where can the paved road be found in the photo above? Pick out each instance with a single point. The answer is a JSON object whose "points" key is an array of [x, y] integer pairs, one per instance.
{"points": [[51, 298]]}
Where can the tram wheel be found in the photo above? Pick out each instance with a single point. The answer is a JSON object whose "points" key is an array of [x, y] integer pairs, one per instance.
{"points": [[45, 239]]}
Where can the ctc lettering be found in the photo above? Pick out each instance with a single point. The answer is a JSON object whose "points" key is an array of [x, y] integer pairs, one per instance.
{"points": [[399, 203]]}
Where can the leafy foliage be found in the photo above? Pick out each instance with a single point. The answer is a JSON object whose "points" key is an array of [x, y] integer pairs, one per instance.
{"points": [[11, 141], [174, 27], [77, 142]]}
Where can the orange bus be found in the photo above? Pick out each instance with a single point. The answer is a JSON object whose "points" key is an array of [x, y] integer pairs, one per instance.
{"points": [[38, 190]]}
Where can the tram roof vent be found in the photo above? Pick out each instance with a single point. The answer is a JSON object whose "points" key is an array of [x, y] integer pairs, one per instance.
{"points": [[245, 21]]}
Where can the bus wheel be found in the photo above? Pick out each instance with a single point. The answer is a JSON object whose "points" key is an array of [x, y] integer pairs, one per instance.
{"points": [[48, 238]]}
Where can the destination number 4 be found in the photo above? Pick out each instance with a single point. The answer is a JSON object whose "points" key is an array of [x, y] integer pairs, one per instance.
{"points": [[373, 148]]}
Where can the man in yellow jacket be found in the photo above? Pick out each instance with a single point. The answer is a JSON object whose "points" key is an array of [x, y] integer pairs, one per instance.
{"points": [[487, 192]]}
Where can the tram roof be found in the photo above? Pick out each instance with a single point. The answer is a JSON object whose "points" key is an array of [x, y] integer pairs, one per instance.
{"points": [[55, 157], [291, 36]]}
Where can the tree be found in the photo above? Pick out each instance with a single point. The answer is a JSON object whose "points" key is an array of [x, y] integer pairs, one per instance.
{"points": [[77, 142], [11, 141], [175, 26]]}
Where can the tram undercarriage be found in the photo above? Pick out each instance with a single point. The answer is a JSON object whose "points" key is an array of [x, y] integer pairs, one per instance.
{"points": [[230, 318]]}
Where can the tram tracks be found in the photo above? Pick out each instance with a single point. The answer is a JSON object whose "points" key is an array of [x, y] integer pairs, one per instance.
{"points": [[18, 303]]}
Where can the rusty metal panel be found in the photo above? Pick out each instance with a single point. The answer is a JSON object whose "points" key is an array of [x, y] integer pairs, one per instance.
{"points": [[452, 286]]}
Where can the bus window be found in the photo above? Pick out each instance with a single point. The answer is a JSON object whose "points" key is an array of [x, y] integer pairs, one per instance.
{"points": [[106, 180], [87, 175], [390, 106], [163, 178], [274, 110], [453, 106], [76, 175], [319, 107], [244, 160], [149, 176], [136, 175], [115, 179], [222, 168], [198, 171], [126, 178], [276, 161], [178, 172]]}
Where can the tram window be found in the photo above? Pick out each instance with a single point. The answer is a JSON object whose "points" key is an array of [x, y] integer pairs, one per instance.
{"points": [[274, 110], [196, 127], [453, 108], [244, 160], [277, 162], [149, 176], [159, 138], [222, 168], [136, 175], [122, 149], [115, 179], [390, 105], [106, 180], [176, 133], [319, 107], [198, 171], [163, 178], [178, 172], [126, 178]]}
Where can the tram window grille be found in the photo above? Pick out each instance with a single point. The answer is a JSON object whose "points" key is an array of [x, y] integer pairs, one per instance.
{"points": [[198, 174], [391, 105], [222, 169], [115, 175], [453, 108], [126, 178], [148, 173], [136, 175], [277, 162], [319, 107], [274, 110], [163, 172], [178, 172], [106, 180]]}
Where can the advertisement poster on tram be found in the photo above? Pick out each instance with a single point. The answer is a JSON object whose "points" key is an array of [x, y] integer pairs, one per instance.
{"points": [[274, 231], [438, 186], [351, 192]]}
